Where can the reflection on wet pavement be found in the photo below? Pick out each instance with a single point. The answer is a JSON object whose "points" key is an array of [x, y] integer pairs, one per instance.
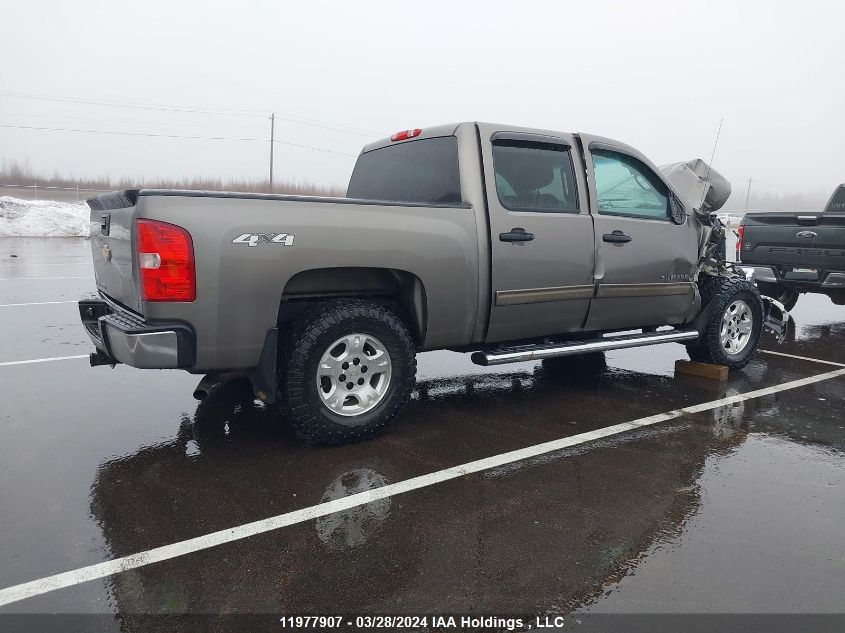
{"points": [[551, 534], [353, 527], [766, 536]]}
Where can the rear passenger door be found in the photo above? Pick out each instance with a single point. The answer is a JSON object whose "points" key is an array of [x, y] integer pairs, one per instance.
{"points": [[541, 234], [644, 260]]}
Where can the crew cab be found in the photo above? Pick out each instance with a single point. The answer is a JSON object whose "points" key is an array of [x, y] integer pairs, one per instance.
{"points": [[796, 252], [511, 243]]}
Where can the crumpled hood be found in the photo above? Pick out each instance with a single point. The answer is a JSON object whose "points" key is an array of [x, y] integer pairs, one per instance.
{"points": [[703, 188]]}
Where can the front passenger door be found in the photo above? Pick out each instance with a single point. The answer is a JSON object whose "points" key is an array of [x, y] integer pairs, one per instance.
{"points": [[644, 260]]}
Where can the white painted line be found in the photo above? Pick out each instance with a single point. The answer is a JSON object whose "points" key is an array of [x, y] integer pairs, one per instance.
{"points": [[39, 265], [206, 541], [36, 303], [40, 278], [814, 360], [40, 360]]}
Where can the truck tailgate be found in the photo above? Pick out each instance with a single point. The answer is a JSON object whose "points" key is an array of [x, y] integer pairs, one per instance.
{"points": [[112, 216], [812, 240]]}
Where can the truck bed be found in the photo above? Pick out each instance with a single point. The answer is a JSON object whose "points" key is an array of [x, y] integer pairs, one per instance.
{"points": [[241, 273]]}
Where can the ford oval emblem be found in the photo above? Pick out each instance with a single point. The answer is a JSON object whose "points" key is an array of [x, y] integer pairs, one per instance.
{"points": [[806, 235]]}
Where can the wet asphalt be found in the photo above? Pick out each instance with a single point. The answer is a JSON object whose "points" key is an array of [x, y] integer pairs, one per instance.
{"points": [[736, 510]]}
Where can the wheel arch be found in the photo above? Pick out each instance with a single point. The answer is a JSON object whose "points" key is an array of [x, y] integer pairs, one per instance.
{"points": [[401, 290]]}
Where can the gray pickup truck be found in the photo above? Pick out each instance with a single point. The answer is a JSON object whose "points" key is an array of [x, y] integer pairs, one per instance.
{"points": [[797, 252], [514, 244]]}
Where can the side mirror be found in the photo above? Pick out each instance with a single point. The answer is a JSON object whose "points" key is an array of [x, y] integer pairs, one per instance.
{"points": [[676, 210]]}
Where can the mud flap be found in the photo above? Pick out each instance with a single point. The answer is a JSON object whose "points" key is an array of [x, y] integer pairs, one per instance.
{"points": [[264, 376], [775, 318]]}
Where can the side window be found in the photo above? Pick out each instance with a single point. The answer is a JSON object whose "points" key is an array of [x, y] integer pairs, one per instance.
{"points": [[534, 176], [625, 186]]}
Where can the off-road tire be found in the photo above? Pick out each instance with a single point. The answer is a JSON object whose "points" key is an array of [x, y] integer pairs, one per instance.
{"points": [[783, 295], [724, 291], [299, 355]]}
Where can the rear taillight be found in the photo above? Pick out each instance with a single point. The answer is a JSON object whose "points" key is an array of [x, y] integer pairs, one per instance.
{"points": [[740, 232], [165, 261], [404, 135]]}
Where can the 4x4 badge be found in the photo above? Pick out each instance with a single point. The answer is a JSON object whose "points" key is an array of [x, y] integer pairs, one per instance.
{"points": [[254, 239]]}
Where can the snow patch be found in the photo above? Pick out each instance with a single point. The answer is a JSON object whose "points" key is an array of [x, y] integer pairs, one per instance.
{"points": [[43, 218]]}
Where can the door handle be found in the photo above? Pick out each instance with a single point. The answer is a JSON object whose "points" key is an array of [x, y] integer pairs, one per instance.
{"points": [[617, 237], [517, 234]]}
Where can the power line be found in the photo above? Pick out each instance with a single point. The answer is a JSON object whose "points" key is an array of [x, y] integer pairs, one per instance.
{"points": [[194, 110], [371, 135], [131, 121], [177, 136], [136, 106], [64, 129]]}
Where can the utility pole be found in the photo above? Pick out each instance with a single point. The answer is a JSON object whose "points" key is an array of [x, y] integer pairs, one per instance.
{"points": [[748, 194], [272, 143]]}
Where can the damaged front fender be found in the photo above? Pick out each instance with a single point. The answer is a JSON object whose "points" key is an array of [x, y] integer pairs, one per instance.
{"points": [[775, 318]]}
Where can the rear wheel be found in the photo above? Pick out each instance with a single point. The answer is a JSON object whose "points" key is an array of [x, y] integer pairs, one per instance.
{"points": [[345, 371], [734, 327], [788, 298]]}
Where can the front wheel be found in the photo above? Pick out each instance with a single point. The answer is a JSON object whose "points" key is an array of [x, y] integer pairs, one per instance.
{"points": [[734, 327], [346, 369]]}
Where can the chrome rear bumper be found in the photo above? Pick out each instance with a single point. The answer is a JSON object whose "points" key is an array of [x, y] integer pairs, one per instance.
{"points": [[121, 336], [831, 280]]}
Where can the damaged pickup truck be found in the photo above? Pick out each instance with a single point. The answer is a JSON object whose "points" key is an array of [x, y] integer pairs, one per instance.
{"points": [[514, 244]]}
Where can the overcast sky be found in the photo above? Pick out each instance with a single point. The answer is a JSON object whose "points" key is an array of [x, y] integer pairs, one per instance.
{"points": [[658, 75]]}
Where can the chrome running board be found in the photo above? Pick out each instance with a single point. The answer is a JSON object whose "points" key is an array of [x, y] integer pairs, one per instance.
{"points": [[520, 353]]}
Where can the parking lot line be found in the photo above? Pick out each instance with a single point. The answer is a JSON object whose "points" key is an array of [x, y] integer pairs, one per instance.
{"points": [[199, 543], [813, 360], [40, 264], [41, 278], [40, 360], [35, 303]]}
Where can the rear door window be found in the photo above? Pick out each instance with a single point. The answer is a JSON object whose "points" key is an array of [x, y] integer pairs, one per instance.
{"points": [[626, 186], [423, 171], [534, 176]]}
